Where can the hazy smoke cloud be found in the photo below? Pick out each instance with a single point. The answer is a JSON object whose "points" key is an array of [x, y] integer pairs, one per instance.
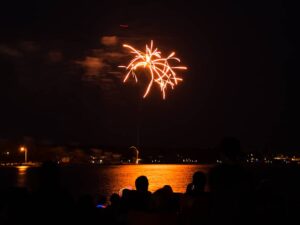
{"points": [[92, 65], [11, 52], [109, 40], [29, 46], [55, 56]]}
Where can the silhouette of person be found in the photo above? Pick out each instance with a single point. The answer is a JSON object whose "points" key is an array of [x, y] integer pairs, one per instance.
{"points": [[198, 184], [231, 185], [142, 184], [230, 149], [164, 200], [139, 199]]}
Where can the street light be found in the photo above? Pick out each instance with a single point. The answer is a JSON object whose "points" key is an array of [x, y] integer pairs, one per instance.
{"points": [[24, 149]]}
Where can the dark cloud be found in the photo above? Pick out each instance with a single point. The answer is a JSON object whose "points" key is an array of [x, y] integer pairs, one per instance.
{"points": [[29, 46], [10, 51], [55, 56], [101, 65]]}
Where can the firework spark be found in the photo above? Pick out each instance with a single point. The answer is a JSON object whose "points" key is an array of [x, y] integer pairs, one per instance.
{"points": [[160, 70]]}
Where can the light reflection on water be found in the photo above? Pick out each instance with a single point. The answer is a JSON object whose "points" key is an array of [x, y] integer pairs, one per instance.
{"points": [[21, 177], [178, 176], [106, 180]]}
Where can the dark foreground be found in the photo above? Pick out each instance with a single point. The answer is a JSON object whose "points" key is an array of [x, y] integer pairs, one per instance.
{"points": [[238, 195]]}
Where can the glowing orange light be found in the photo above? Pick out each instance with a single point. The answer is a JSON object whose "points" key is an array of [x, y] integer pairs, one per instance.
{"points": [[25, 150], [22, 169], [160, 70]]}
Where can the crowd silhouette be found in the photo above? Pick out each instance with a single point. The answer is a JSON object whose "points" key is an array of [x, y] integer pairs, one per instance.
{"points": [[235, 195]]}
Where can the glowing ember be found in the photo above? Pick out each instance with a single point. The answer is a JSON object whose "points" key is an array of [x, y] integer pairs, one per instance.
{"points": [[161, 71]]}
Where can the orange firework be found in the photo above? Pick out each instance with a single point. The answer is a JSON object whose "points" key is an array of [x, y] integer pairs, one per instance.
{"points": [[161, 71]]}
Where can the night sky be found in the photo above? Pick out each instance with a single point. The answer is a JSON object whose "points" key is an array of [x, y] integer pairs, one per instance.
{"points": [[60, 81]]}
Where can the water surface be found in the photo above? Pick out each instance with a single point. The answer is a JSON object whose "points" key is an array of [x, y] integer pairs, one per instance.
{"points": [[105, 180]]}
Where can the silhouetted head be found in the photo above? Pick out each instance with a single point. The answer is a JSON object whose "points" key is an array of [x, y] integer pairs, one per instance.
{"points": [[199, 180], [141, 183], [125, 193], [114, 199], [231, 148], [167, 189]]}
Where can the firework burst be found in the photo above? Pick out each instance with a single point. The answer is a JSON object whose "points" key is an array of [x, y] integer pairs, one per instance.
{"points": [[160, 70]]}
